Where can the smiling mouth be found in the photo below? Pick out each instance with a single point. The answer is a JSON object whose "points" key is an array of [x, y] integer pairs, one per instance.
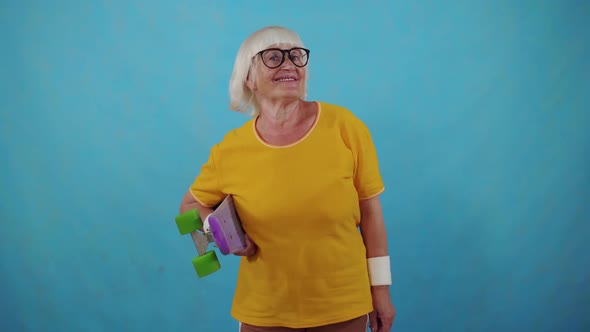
{"points": [[286, 79]]}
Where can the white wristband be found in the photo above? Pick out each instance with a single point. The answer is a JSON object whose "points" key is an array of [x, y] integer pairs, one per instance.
{"points": [[379, 270]]}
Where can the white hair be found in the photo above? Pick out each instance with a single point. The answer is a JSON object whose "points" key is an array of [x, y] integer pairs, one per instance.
{"points": [[241, 97]]}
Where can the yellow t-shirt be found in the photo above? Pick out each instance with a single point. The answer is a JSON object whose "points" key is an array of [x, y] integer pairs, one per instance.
{"points": [[300, 205]]}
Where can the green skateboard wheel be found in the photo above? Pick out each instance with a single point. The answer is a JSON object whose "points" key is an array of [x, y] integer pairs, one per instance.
{"points": [[206, 264], [188, 222]]}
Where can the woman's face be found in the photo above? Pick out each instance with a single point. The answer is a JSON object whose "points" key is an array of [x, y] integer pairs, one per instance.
{"points": [[280, 72]]}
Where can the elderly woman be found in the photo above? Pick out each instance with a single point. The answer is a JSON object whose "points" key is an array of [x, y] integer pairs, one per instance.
{"points": [[304, 177]]}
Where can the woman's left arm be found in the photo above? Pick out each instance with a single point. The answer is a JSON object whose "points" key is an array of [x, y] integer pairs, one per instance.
{"points": [[375, 238], [373, 227]]}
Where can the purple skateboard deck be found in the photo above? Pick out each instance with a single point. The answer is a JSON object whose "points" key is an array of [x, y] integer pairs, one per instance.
{"points": [[226, 227]]}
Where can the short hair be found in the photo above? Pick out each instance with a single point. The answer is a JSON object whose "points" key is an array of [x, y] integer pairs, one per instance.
{"points": [[241, 97]]}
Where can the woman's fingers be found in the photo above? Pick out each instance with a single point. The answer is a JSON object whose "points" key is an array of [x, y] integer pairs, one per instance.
{"points": [[250, 249]]}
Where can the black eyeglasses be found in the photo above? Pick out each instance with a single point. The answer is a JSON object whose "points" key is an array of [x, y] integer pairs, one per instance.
{"points": [[274, 57]]}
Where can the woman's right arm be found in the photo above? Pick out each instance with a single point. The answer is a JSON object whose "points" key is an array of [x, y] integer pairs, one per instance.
{"points": [[189, 203]]}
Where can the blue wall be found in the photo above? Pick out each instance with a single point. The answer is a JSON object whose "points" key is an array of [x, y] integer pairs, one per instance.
{"points": [[479, 110]]}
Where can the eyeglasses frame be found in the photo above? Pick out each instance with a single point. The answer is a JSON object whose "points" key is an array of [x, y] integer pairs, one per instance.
{"points": [[283, 52]]}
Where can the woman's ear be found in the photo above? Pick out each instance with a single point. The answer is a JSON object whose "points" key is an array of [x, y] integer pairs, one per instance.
{"points": [[251, 77], [250, 81]]}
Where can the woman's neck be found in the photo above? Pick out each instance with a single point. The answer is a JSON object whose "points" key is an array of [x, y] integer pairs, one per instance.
{"points": [[285, 123], [281, 114]]}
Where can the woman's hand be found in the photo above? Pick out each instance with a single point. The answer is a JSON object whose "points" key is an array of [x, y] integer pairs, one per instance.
{"points": [[381, 319], [250, 249]]}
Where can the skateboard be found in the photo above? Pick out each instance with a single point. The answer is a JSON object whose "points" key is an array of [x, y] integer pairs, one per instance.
{"points": [[222, 228]]}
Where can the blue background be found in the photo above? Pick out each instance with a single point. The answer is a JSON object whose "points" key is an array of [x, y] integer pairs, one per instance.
{"points": [[479, 110]]}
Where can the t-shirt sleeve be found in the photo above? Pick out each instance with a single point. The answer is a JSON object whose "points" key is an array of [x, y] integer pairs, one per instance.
{"points": [[367, 176], [206, 188]]}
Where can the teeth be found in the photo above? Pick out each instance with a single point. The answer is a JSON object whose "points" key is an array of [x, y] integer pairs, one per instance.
{"points": [[285, 79]]}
